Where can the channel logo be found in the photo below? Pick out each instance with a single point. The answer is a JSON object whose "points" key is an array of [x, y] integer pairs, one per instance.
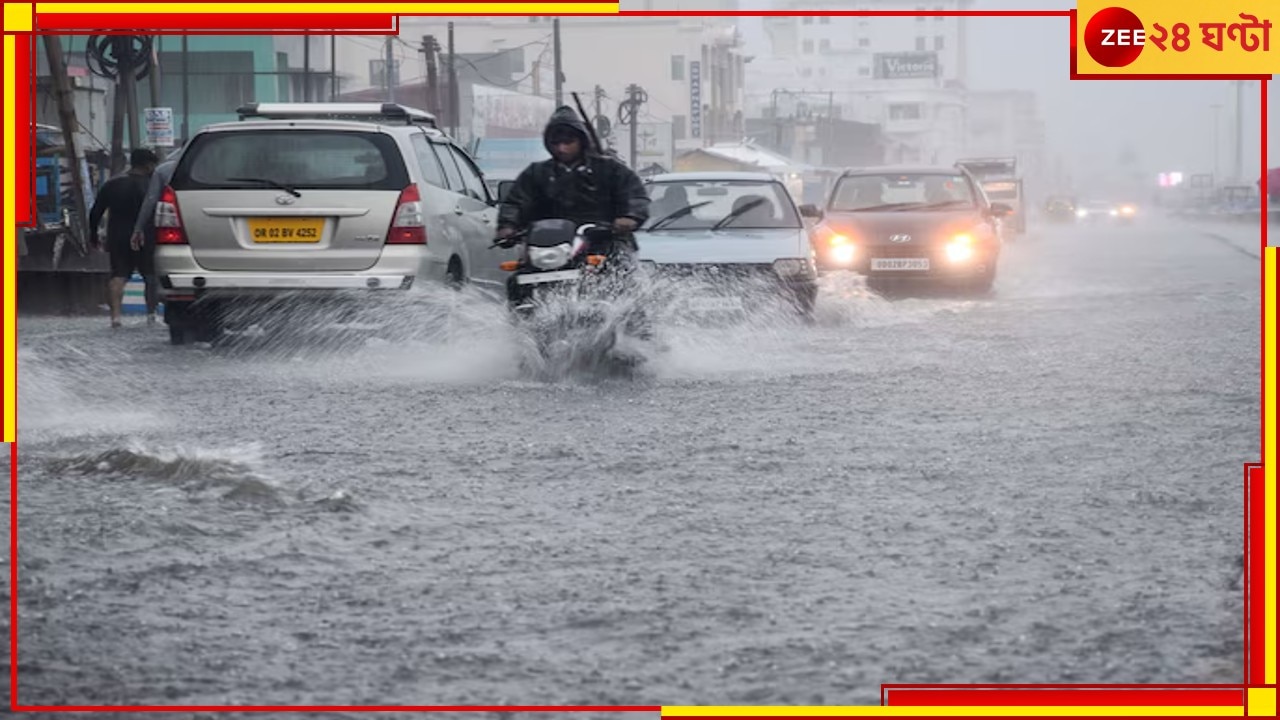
{"points": [[1114, 37]]}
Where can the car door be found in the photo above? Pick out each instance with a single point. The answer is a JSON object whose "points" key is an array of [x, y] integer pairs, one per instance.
{"points": [[444, 238], [477, 217]]}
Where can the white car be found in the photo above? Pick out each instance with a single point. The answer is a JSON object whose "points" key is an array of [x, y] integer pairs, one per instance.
{"points": [[738, 233], [304, 201]]}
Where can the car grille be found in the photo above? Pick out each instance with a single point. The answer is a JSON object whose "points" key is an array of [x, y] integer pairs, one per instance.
{"points": [[711, 272], [900, 251]]}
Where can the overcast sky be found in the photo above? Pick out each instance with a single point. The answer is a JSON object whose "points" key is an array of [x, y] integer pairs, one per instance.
{"points": [[1170, 124]]}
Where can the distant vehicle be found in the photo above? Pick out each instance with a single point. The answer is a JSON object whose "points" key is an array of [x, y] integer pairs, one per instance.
{"points": [[912, 224], [1060, 208], [739, 233], [1095, 211], [1000, 181], [317, 200]]}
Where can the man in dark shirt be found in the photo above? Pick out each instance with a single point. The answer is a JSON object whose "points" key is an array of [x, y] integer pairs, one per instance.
{"points": [[121, 199]]}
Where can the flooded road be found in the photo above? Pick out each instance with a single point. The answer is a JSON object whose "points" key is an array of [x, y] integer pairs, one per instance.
{"points": [[1043, 486]]}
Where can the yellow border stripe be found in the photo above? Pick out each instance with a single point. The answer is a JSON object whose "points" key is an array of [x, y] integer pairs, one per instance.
{"points": [[980, 711], [17, 17], [1269, 259], [409, 8], [10, 242]]}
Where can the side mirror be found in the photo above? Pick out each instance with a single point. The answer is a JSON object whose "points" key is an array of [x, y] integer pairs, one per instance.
{"points": [[811, 211], [1000, 210]]}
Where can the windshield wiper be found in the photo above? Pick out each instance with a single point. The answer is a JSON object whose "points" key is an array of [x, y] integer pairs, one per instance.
{"points": [[677, 214], [268, 181], [735, 214], [888, 206], [944, 204]]}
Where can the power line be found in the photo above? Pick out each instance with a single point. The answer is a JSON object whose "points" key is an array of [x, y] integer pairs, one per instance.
{"points": [[534, 68]]}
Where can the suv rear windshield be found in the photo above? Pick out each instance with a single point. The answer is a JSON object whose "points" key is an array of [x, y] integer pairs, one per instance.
{"points": [[300, 159]]}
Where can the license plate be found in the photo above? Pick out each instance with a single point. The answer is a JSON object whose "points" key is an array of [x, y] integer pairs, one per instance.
{"points": [[899, 263], [546, 277], [285, 230], [714, 304]]}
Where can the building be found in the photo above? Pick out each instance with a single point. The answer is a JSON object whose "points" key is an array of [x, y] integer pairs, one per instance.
{"points": [[691, 68], [1008, 123], [905, 74], [203, 78]]}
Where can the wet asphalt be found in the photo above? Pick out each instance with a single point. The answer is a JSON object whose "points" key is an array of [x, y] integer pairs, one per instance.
{"points": [[1040, 486]]}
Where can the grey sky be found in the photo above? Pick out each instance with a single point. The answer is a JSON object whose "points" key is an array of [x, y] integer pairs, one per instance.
{"points": [[1170, 124]]}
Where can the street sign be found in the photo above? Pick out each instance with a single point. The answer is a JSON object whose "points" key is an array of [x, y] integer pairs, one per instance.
{"points": [[905, 65], [159, 126]]}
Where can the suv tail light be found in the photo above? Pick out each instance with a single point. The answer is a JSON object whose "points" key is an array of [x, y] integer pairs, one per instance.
{"points": [[169, 230], [409, 227]]}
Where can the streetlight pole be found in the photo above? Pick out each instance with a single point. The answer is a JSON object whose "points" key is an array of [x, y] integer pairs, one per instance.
{"points": [[1217, 145]]}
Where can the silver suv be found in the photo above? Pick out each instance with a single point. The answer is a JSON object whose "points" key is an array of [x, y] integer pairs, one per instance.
{"points": [[306, 200]]}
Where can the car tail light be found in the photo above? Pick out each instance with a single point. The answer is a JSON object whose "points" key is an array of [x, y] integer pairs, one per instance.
{"points": [[169, 230], [409, 227]]}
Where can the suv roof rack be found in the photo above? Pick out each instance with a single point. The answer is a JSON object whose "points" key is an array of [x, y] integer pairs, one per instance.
{"points": [[337, 111]]}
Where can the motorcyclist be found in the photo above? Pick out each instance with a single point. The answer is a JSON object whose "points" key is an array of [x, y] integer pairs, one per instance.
{"points": [[579, 183], [582, 184]]}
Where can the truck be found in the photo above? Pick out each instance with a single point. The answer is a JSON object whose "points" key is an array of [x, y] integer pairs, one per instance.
{"points": [[999, 179]]}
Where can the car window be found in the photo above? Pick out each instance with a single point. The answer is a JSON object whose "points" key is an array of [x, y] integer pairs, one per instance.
{"points": [[298, 159], [429, 163], [716, 199], [450, 167], [862, 192], [472, 178]]}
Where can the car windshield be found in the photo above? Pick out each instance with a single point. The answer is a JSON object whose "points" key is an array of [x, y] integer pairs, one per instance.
{"points": [[311, 159], [720, 205], [857, 193]]}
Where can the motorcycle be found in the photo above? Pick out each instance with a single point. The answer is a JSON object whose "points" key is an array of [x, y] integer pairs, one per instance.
{"points": [[570, 291]]}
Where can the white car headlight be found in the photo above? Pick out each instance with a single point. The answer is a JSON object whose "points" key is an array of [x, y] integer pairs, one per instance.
{"points": [[793, 267], [1082, 213], [550, 258]]}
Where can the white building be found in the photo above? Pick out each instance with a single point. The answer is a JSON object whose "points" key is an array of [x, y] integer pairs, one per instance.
{"points": [[690, 67], [906, 74]]}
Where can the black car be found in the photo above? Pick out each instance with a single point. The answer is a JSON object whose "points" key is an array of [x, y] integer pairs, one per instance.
{"points": [[922, 224]]}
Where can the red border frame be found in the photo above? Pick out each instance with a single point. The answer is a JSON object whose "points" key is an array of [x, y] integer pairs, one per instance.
{"points": [[899, 694]]}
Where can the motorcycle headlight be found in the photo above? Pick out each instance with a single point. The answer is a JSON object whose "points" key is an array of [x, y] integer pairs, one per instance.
{"points": [[550, 258], [793, 267], [1082, 213]]}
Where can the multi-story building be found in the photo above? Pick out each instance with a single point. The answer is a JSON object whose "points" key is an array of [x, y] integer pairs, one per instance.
{"points": [[906, 74], [691, 68], [1008, 123]]}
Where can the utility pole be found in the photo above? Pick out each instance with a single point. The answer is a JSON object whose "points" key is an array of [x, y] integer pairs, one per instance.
{"points": [[67, 118], [129, 81], [186, 91], [1217, 143], [599, 121], [629, 114], [1239, 156], [429, 49], [555, 47], [387, 64], [154, 76], [306, 68], [333, 66], [455, 113]]}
